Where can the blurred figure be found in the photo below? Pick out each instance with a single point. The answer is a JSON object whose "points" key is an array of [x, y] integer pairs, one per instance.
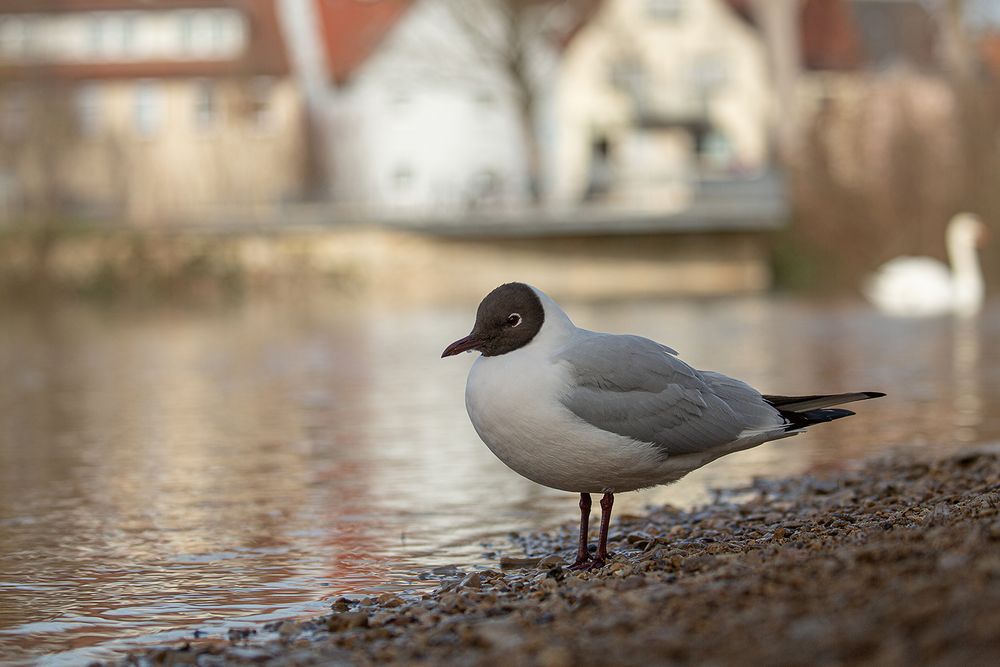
{"points": [[924, 287]]}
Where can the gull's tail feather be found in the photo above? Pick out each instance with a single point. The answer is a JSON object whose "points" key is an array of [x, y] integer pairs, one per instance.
{"points": [[802, 411]]}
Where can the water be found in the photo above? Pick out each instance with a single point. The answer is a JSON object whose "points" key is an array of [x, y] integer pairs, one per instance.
{"points": [[171, 470]]}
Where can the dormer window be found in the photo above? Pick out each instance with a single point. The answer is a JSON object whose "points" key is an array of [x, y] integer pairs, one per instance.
{"points": [[666, 10]]}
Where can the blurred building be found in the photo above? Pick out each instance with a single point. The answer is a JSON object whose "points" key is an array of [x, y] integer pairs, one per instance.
{"points": [[896, 120], [654, 95], [438, 105], [151, 110], [633, 101], [417, 122], [176, 109], [845, 43]]}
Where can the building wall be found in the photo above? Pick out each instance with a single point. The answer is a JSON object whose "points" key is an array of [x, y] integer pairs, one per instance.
{"points": [[670, 62], [117, 109], [157, 149], [424, 126]]}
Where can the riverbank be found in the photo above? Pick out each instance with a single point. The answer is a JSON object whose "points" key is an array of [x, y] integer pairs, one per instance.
{"points": [[151, 264], [895, 563]]}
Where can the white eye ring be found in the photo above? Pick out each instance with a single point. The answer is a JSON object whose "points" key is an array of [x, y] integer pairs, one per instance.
{"points": [[514, 319]]}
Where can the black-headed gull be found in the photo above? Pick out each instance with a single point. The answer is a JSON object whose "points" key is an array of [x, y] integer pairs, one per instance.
{"points": [[591, 412]]}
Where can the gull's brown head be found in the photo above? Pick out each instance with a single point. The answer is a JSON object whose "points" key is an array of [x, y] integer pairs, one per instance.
{"points": [[508, 319]]}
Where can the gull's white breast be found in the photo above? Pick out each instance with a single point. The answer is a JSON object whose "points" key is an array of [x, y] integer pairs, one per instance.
{"points": [[513, 402]]}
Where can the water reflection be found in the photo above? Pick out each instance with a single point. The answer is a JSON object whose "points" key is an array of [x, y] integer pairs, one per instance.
{"points": [[167, 470], [965, 378]]}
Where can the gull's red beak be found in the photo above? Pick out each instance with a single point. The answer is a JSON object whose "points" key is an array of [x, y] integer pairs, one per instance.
{"points": [[463, 345]]}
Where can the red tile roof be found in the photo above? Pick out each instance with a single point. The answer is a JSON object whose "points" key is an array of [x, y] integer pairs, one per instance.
{"points": [[989, 50], [849, 35], [827, 33], [353, 29], [266, 53], [829, 36]]}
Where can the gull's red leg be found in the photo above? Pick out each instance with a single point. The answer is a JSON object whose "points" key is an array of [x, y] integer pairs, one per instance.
{"points": [[582, 553], [607, 502]]}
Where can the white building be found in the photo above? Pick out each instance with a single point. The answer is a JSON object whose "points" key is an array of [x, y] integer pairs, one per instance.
{"points": [[653, 94], [634, 99], [422, 121]]}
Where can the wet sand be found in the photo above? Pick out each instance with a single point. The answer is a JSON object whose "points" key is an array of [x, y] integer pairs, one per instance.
{"points": [[894, 563]]}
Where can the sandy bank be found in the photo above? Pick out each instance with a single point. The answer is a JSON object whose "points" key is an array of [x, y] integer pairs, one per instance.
{"points": [[896, 563]]}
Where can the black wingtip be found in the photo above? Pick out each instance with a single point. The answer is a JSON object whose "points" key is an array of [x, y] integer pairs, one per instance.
{"points": [[798, 420], [825, 415], [873, 394]]}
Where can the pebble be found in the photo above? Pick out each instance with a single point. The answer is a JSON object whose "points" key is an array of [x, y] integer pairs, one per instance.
{"points": [[513, 561], [549, 562], [994, 530]]}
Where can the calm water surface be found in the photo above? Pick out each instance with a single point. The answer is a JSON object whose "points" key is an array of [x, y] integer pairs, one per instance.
{"points": [[164, 471]]}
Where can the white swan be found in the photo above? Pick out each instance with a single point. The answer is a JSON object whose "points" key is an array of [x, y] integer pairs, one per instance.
{"points": [[924, 287]]}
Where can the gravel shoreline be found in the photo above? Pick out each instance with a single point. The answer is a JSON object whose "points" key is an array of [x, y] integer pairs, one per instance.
{"points": [[895, 563]]}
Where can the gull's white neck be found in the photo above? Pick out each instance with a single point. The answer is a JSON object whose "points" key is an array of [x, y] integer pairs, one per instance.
{"points": [[557, 326]]}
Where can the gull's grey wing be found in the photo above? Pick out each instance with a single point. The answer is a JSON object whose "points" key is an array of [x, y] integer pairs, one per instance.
{"points": [[636, 387]]}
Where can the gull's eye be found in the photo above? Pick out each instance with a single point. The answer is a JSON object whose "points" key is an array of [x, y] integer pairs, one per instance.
{"points": [[513, 320]]}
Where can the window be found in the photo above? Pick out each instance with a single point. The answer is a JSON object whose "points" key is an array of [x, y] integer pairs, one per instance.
{"points": [[209, 33], [627, 74], [402, 178], [148, 108], [95, 35], [717, 149], [231, 32], [665, 10], [216, 31], [129, 23], [709, 72], [14, 36], [88, 119], [13, 113], [112, 34], [195, 33], [205, 104], [485, 99], [485, 187], [261, 102], [400, 99], [185, 29]]}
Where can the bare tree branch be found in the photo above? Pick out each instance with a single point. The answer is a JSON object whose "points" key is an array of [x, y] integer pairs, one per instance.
{"points": [[507, 39]]}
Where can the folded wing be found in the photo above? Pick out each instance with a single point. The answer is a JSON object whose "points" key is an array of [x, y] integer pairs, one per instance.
{"points": [[636, 387]]}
